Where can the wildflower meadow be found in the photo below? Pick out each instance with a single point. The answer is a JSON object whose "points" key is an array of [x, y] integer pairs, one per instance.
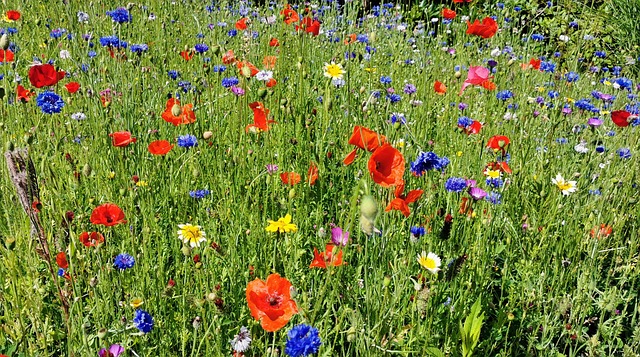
{"points": [[330, 178]]}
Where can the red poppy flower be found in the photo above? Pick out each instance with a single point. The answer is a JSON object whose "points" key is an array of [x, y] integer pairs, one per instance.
{"points": [[622, 118], [44, 75], [474, 128], [440, 88], [250, 70], [533, 63], [461, 1], [498, 166], [326, 258], [260, 122], [122, 139], [271, 82], [159, 147], [242, 24], [401, 202], [498, 142], [488, 85], [107, 214], [351, 38], [487, 29], [603, 231], [309, 25], [177, 115], [186, 55], [270, 302], [61, 260], [290, 178], [312, 174], [228, 57], [386, 166], [13, 15], [6, 56], [23, 94], [364, 139], [72, 87], [448, 14], [92, 239], [273, 42], [289, 15]]}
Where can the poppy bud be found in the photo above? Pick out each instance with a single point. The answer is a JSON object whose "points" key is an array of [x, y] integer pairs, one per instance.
{"points": [[86, 170], [284, 101], [458, 74], [511, 61], [262, 92], [185, 250], [246, 71], [10, 243], [211, 296], [93, 282], [369, 207], [292, 193], [4, 42], [102, 333], [215, 50], [366, 225], [176, 110], [122, 191], [207, 135]]}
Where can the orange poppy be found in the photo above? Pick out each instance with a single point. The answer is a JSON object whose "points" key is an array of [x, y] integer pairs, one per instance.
{"points": [[92, 239], [6, 56], [401, 202], [107, 214], [326, 258], [72, 87], [61, 260], [260, 122], [23, 94], [440, 88], [487, 29], [13, 15], [250, 70], [177, 115], [242, 24], [448, 14], [273, 42], [122, 139], [270, 302], [312, 174], [386, 166], [365, 139], [533, 63], [159, 147], [228, 57], [271, 82], [351, 38], [603, 231], [269, 62], [488, 85], [290, 16], [187, 55], [290, 178]]}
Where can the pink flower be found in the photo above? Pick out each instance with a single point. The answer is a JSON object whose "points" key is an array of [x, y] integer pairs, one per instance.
{"points": [[115, 351], [339, 237], [477, 76]]}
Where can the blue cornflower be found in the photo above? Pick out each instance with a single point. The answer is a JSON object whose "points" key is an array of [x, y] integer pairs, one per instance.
{"points": [[124, 261], [232, 33], [92, 54], [82, 16], [397, 118], [561, 140], [173, 74], [494, 182], [464, 122], [61, 272], [624, 83], [553, 94], [120, 15], [143, 321], [417, 231], [573, 24], [595, 192], [385, 80], [428, 161], [504, 94], [547, 66], [600, 54], [57, 33], [493, 197], [187, 141], [185, 85], [624, 153], [500, 5], [362, 38], [409, 88], [112, 41], [537, 37], [517, 8], [455, 184], [600, 149], [393, 97], [49, 102], [302, 340], [139, 48], [572, 76], [199, 193], [201, 48], [219, 68], [230, 82]]}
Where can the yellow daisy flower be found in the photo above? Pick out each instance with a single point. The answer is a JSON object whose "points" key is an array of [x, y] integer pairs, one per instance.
{"points": [[566, 187], [430, 261], [333, 70], [282, 225], [192, 235]]}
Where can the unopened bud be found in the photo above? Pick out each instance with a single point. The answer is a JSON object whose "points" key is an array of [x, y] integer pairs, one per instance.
{"points": [[4, 42], [176, 110]]}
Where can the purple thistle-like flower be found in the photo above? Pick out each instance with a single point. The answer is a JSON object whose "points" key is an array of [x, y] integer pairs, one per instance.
{"points": [[339, 237], [477, 193], [271, 168], [595, 122]]}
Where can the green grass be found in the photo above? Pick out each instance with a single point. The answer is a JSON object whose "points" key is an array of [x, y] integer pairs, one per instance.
{"points": [[546, 287]]}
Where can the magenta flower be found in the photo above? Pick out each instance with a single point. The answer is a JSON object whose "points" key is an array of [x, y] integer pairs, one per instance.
{"points": [[477, 193], [114, 351], [339, 237], [595, 122]]}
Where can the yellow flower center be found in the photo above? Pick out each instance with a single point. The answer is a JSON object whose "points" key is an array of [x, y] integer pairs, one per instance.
{"points": [[192, 233], [564, 185], [334, 71]]}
